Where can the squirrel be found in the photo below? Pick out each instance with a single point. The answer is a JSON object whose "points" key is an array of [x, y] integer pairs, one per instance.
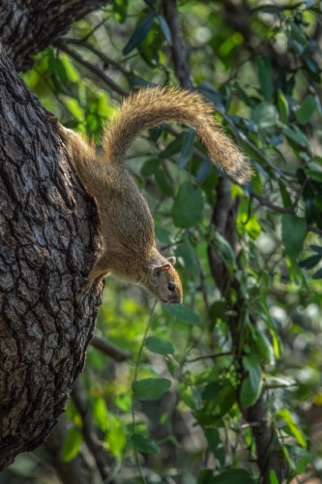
{"points": [[129, 248]]}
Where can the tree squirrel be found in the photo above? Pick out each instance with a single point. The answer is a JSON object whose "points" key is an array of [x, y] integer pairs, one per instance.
{"points": [[126, 225]]}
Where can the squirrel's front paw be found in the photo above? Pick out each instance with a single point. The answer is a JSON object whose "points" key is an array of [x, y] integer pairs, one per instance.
{"points": [[96, 284]]}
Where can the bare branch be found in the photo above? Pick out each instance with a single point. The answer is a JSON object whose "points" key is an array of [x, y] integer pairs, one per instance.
{"points": [[98, 72], [76, 471], [101, 457], [181, 66], [118, 354]]}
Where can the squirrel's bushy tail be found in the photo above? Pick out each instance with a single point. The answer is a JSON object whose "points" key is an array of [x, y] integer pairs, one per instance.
{"points": [[150, 107]]}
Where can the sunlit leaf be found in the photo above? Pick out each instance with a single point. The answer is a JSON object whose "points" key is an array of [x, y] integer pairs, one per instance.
{"points": [[295, 430], [100, 413], [283, 107], [72, 444], [272, 477]]}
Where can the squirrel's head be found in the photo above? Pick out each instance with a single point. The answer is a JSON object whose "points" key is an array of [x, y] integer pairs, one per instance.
{"points": [[163, 281]]}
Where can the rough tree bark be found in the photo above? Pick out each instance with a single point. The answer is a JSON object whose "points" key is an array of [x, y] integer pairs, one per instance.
{"points": [[48, 240], [47, 248], [29, 26]]}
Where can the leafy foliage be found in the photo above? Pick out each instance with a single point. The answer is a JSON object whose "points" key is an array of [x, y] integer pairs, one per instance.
{"points": [[256, 331]]}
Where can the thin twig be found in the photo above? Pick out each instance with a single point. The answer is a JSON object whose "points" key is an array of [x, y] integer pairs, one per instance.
{"points": [[181, 66], [98, 72], [99, 54], [277, 208], [101, 457], [212, 357]]}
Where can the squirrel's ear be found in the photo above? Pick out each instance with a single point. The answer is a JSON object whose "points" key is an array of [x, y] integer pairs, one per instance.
{"points": [[165, 267], [172, 260]]}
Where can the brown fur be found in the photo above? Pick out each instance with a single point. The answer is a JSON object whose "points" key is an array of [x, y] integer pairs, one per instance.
{"points": [[126, 224]]}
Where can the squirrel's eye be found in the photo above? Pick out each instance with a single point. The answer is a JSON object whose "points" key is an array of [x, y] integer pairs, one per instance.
{"points": [[171, 286]]}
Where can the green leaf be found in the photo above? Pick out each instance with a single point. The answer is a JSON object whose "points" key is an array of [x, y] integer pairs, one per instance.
{"points": [[159, 346], [150, 388], [72, 444], [100, 413], [263, 345], [206, 476], [150, 167], [294, 230], [252, 384], [215, 444], [174, 147], [294, 134], [75, 109], [287, 201], [187, 252], [233, 476], [293, 427], [317, 274], [187, 148], [143, 444], [163, 182], [71, 72], [165, 29], [139, 34], [188, 205], [163, 235], [315, 174], [310, 261], [265, 74], [116, 439], [182, 313], [316, 248], [304, 461], [225, 249], [120, 9], [272, 477], [265, 115], [307, 109], [296, 39], [283, 108], [219, 397]]}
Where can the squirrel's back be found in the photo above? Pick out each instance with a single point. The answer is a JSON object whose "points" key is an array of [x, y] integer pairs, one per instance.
{"points": [[150, 107]]}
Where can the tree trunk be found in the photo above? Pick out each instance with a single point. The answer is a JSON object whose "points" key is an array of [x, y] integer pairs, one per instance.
{"points": [[29, 26], [48, 242]]}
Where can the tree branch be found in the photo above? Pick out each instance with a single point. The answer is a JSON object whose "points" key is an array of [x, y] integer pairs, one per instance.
{"points": [[74, 472], [181, 66], [98, 72], [29, 27], [91, 438], [118, 354]]}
